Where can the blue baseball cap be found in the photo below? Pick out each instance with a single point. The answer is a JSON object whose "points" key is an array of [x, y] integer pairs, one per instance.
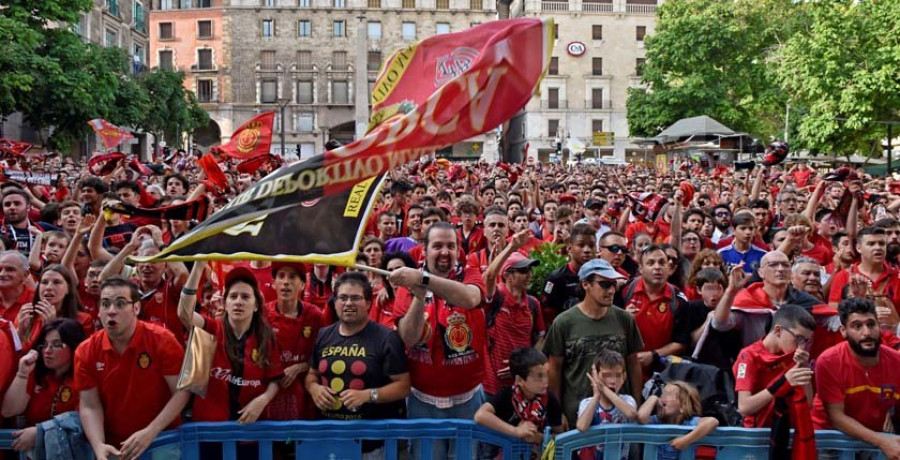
{"points": [[599, 267]]}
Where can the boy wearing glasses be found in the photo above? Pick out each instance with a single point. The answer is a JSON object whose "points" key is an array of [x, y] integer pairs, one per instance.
{"points": [[775, 367]]}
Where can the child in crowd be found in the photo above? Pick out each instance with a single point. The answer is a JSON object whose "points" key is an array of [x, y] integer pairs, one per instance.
{"points": [[678, 405], [525, 408], [606, 406]]}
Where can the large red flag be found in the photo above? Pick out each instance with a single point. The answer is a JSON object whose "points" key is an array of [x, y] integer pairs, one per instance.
{"points": [[111, 134], [252, 139], [15, 148]]}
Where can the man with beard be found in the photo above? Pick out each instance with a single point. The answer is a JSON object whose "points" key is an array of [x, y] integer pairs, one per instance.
{"points": [[722, 221], [14, 291], [891, 228], [16, 226], [806, 276], [881, 280], [658, 309], [441, 323], [159, 283], [856, 382]]}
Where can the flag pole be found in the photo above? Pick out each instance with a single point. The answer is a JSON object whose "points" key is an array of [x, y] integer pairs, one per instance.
{"points": [[367, 268]]}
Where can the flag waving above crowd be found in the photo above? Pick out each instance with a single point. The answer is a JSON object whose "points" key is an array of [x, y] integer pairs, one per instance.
{"points": [[432, 94]]}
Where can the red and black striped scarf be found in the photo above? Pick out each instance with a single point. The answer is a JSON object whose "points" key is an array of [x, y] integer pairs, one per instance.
{"points": [[534, 411], [791, 410]]}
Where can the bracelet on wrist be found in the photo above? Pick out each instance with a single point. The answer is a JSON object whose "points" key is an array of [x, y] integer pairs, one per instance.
{"points": [[188, 291]]}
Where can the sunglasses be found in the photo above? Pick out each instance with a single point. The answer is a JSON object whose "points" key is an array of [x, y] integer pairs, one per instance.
{"points": [[615, 248], [522, 271], [605, 284], [723, 214]]}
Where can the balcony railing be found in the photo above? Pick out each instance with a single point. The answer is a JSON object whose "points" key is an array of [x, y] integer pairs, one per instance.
{"points": [[595, 104], [202, 68], [554, 6], [646, 9], [597, 7], [553, 105]]}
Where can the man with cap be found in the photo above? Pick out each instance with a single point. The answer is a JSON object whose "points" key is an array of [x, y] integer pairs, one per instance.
{"points": [[593, 215], [579, 333], [513, 317], [296, 325]]}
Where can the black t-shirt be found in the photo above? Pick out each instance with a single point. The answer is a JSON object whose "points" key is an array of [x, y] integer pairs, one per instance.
{"points": [[561, 289], [362, 361], [503, 408], [20, 237], [722, 348]]}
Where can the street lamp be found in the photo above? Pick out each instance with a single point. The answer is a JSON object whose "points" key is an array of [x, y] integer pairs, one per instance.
{"points": [[282, 103]]}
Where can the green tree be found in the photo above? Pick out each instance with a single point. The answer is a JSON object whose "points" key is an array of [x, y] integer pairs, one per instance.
{"points": [[843, 73], [709, 57], [172, 108]]}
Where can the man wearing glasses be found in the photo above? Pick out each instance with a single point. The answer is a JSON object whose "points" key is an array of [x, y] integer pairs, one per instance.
{"points": [[126, 375], [775, 366], [613, 248]]}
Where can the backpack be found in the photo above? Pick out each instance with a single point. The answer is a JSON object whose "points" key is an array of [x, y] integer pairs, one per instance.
{"points": [[490, 316]]}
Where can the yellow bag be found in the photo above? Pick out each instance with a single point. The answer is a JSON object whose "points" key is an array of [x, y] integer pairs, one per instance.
{"points": [[198, 358]]}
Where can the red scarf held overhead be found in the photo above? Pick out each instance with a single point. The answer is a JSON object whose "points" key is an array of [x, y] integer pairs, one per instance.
{"points": [[534, 411]]}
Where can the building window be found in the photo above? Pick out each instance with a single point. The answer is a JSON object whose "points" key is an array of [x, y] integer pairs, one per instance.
{"points": [[204, 29], [596, 66], [112, 38], [554, 66], [269, 88], [596, 126], [338, 3], [306, 150], [556, 31], [374, 61], [140, 21], [113, 7], [304, 92], [552, 128], [410, 4], [268, 28], [204, 59], [374, 30], [409, 31], [166, 31], [596, 98], [476, 5], [268, 2], [442, 28], [165, 60], [168, 4], [339, 60], [267, 60], [597, 31], [304, 60], [337, 29], [204, 90], [303, 3], [304, 124], [442, 4], [640, 32], [552, 98], [340, 93], [374, 3], [639, 66], [304, 28], [204, 3]]}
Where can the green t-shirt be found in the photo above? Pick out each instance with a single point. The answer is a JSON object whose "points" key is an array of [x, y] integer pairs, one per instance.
{"points": [[577, 339]]}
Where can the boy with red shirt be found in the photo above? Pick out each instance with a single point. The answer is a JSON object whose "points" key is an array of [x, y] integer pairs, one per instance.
{"points": [[126, 375], [775, 366], [857, 381]]}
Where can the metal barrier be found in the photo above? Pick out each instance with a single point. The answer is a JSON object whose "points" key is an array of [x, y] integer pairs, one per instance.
{"points": [[313, 440], [728, 443]]}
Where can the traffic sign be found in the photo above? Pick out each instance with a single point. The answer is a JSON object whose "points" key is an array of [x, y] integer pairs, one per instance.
{"points": [[603, 138]]}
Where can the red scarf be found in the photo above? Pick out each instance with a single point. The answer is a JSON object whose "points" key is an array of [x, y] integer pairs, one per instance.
{"points": [[792, 410], [534, 411]]}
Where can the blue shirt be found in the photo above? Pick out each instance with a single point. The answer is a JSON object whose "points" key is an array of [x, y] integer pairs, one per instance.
{"points": [[665, 451], [732, 257]]}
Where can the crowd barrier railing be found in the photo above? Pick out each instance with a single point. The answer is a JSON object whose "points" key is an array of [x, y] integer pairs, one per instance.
{"points": [[341, 440]]}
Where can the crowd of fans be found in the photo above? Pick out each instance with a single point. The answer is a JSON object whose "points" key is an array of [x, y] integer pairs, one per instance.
{"points": [[783, 278]]}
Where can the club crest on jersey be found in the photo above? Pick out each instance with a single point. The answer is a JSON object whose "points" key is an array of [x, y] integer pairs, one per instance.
{"points": [[459, 334], [65, 394], [662, 307], [144, 360], [307, 331], [158, 297], [254, 355]]}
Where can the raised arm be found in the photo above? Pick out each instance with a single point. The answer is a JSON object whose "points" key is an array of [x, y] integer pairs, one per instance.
{"points": [[188, 301], [813, 204], [95, 241], [757, 184]]}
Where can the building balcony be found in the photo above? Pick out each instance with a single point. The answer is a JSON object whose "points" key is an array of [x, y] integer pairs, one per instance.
{"points": [[597, 7], [554, 6], [554, 105], [642, 9], [592, 104], [199, 68]]}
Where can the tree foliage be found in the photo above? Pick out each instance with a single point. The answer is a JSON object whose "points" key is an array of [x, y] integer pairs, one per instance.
{"points": [[172, 108]]}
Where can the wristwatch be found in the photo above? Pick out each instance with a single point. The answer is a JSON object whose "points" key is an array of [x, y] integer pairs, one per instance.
{"points": [[425, 278], [373, 396]]}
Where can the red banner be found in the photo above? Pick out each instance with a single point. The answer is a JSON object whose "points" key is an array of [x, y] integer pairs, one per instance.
{"points": [[111, 134], [252, 139], [15, 148], [440, 91]]}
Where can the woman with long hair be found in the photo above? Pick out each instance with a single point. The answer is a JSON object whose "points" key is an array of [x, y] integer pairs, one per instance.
{"points": [[383, 305], [55, 297], [246, 367], [43, 386]]}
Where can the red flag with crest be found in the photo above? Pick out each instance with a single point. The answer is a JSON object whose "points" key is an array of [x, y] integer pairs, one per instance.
{"points": [[111, 134], [252, 139]]}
